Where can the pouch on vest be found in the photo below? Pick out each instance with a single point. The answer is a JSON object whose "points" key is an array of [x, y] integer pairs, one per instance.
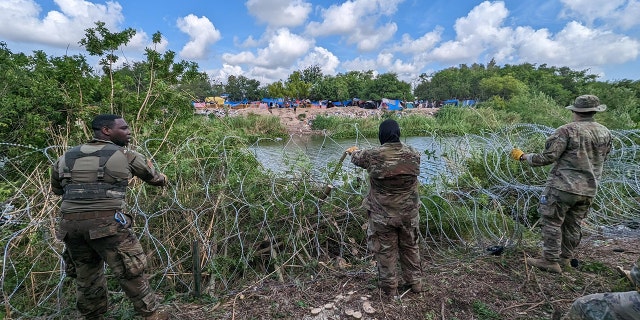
{"points": [[103, 231]]}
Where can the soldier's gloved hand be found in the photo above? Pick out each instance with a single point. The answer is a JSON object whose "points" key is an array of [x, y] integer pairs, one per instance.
{"points": [[165, 179], [516, 154], [350, 150]]}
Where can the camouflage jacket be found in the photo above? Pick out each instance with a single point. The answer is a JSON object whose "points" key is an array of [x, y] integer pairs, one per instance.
{"points": [[94, 176], [393, 170], [578, 150]]}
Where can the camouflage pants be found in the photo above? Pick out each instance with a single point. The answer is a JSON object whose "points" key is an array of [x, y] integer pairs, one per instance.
{"points": [[562, 216], [606, 306], [90, 243], [390, 238]]}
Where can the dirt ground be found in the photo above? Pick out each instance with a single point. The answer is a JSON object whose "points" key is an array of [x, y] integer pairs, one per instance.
{"points": [[479, 287]]}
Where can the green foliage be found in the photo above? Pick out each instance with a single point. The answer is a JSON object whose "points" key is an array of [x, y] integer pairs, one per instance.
{"points": [[504, 87], [452, 120], [484, 312], [240, 88], [538, 108], [296, 87], [388, 86], [594, 267]]}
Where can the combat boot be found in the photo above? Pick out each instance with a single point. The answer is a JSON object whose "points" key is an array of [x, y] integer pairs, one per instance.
{"points": [[417, 287], [158, 315], [545, 265], [389, 291]]}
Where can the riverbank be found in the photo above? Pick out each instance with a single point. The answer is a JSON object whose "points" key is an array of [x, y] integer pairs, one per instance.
{"points": [[299, 122]]}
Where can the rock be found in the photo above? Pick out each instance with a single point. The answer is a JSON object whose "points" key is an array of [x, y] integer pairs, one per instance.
{"points": [[316, 310], [366, 306], [348, 312], [328, 306], [357, 315]]}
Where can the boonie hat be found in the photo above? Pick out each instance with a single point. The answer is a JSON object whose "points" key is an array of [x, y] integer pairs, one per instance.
{"points": [[587, 103]]}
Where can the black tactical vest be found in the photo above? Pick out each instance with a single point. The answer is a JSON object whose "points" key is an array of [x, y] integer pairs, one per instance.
{"points": [[75, 181]]}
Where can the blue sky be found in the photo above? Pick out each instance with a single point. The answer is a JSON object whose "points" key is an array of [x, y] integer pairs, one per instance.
{"points": [[268, 39]]}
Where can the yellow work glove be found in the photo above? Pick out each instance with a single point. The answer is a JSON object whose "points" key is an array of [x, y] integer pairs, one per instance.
{"points": [[350, 150], [516, 154]]}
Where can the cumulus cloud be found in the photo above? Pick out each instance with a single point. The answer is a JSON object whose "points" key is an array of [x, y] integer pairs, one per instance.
{"points": [[201, 33], [360, 64], [20, 21], [228, 70], [481, 35], [280, 13], [579, 46], [479, 30], [620, 13], [283, 50], [327, 61], [420, 45], [357, 21]]}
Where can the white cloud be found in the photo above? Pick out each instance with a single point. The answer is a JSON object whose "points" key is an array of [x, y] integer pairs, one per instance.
{"points": [[283, 50], [578, 46], [247, 43], [321, 57], [360, 64], [420, 45], [201, 33], [356, 20], [244, 57], [226, 71], [481, 36], [280, 13], [480, 30], [621, 13], [20, 21]]}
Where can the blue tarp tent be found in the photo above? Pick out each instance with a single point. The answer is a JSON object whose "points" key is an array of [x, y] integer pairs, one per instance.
{"points": [[391, 104], [276, 102], [469, 102], [454, 102]]}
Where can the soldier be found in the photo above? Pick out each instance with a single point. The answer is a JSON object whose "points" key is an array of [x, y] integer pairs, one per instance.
{"points": [[578, 150], [392, 206], [92, 179], [610, 306]]}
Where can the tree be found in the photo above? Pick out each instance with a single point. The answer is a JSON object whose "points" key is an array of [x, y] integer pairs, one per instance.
{"points": [[277, 90], [311, 75], [388, 86], [242, 88], [296, 86], [504, 87], [356, 82], [99, 41]]}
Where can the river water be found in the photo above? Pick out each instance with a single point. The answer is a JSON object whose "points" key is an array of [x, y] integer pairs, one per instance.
{"points": [[320, 154]]}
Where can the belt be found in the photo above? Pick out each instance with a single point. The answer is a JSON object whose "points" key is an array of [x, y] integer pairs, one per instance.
{"points": [[89, 215]]}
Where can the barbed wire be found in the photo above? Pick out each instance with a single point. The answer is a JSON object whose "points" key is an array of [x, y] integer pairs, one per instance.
{"points": [[280, 225]]}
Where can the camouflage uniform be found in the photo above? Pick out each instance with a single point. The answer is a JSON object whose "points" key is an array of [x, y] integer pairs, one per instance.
{"points": [[609, 306], [578, 150], [392, 204], [92, 178]]}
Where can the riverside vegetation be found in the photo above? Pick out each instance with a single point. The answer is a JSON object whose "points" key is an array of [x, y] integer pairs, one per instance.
{"points": [[274, 247]]}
